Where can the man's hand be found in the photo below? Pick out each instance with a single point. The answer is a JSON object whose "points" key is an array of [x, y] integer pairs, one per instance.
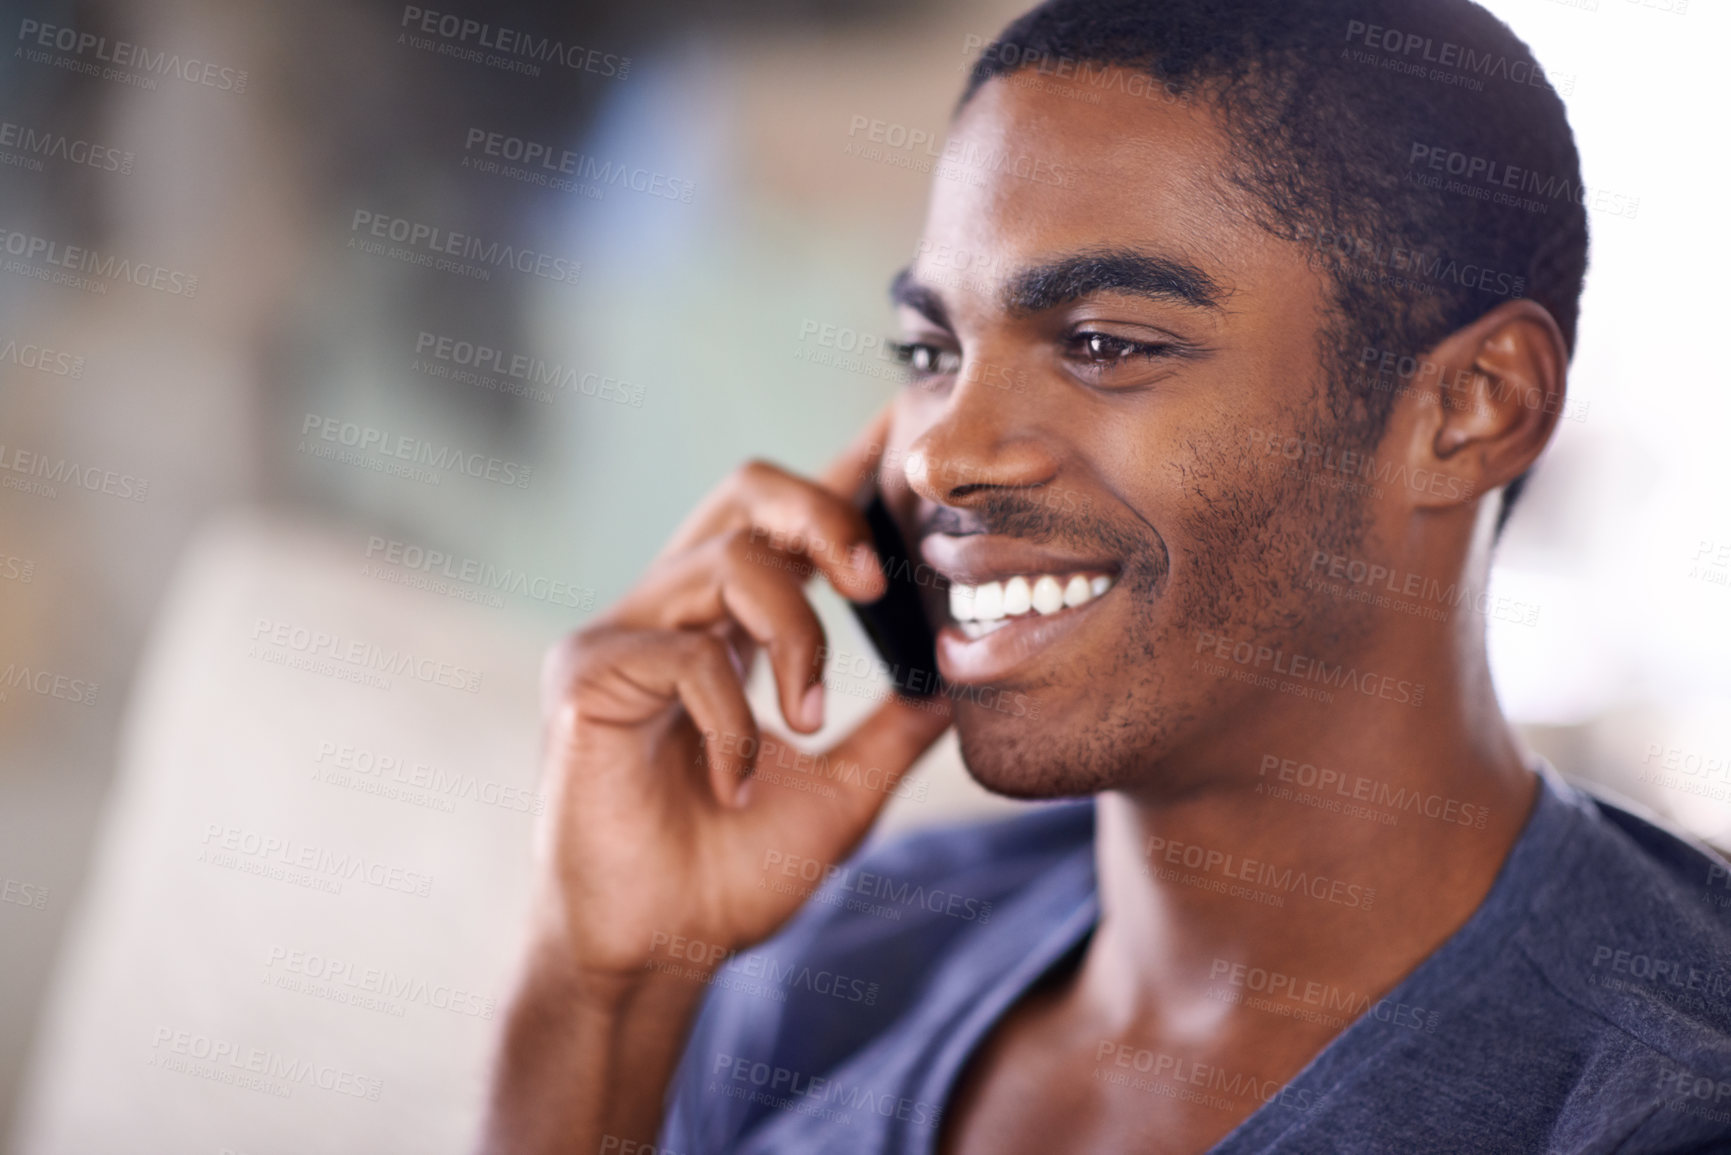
{"points": [[655, 827]]}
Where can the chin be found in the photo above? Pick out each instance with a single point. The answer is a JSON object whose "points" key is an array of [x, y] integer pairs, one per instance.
{"points": [[1037, 758]]}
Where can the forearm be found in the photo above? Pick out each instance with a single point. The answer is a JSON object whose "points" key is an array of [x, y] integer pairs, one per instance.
{"points": [[584, 1060]]}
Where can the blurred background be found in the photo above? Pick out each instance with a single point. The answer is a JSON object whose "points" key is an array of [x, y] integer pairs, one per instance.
{"points": [[351, 352]]}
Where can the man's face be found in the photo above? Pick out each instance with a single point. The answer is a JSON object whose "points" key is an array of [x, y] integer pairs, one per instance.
{"points": [[1111, 345]]}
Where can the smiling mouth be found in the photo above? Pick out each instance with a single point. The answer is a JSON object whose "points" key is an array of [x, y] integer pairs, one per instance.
{"points": [[983, 609]]}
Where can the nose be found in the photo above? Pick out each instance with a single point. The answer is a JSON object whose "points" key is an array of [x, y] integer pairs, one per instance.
{"points": [[985, 438]]}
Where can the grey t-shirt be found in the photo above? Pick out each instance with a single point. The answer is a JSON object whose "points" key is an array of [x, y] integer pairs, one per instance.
{"points": [[1585, 1007]]}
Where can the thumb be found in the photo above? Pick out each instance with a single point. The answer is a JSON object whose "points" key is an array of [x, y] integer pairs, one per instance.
{"points": [[824, 812]]}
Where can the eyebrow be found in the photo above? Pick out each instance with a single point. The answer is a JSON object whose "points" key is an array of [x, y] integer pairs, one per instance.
{"points": [[922, 299], [1067, 279], [1059, 282]]}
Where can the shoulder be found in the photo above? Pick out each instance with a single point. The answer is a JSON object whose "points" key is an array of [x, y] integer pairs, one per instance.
{"points": [[874, 936], [1635, 924], [1633, 934]]}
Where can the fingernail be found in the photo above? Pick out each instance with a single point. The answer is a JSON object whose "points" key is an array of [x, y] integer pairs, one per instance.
{"points": [[811, 706]]}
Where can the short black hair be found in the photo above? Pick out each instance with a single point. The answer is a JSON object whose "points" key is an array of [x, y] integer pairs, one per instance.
{"points": [[1416, 144]]}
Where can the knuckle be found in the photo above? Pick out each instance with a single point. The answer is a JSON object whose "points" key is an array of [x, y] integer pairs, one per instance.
{"points": [[707, 652], [560, 660], [562, 670], [755, 473]]}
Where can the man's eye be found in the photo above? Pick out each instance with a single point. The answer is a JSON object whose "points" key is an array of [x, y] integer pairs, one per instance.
{"points": [[925, 360], [1105, 349]]}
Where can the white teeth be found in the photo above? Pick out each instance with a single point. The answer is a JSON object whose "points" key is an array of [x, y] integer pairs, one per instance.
{"points": [[988, 602], [983, 608], [1048, 595]]}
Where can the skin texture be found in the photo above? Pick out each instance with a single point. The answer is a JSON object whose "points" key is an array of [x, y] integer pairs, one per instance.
{"points": [[1123, 427]]}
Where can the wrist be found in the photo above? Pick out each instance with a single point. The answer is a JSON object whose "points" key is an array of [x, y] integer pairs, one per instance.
{"points": [[557, 976]]}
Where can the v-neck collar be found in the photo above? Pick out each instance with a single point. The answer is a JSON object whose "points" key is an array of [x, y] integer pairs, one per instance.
{"points": [[974, 986]]}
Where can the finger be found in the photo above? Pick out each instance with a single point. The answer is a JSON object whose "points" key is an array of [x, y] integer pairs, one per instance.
{"points": [[789, 514], [621, 680], [779, 618], [863, 769], [854, 471], [747, 594]]}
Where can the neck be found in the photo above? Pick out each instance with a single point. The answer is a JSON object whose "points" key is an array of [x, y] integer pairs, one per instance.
{"points": [[1342, 844]]}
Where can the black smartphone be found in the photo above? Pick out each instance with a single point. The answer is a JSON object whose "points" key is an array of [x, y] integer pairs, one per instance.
{"points": [[897, 622]]}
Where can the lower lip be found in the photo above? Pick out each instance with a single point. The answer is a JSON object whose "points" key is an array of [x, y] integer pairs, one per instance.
{"points": [[1022, 640]]}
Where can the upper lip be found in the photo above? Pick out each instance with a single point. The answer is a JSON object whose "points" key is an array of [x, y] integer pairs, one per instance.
{"points": [[974, 559]]}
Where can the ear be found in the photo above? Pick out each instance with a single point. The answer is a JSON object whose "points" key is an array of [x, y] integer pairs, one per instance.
{"points": [[1487, 402]]}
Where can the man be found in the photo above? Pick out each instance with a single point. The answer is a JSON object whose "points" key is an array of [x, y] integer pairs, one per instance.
{"points": [[1256, 345]]}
